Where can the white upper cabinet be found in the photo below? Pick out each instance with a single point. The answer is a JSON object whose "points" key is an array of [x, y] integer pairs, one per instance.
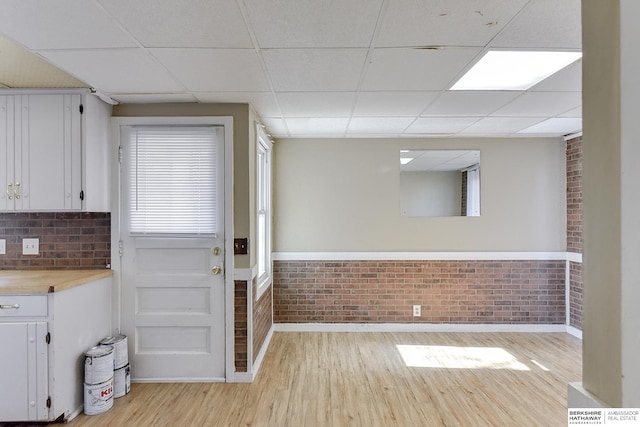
{"points": [[42, 154]]}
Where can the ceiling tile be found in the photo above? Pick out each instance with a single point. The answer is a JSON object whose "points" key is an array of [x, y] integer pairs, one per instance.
{"points": [[469, 103], [544, 24], [439, 22], [152, 98], [437, 125], [264, 102], [378, 125], [316, 104], [500, 125], [568, 79], [416, 69], [575, 113], [555, 126], [213, 70], [182, 23], [317, 126], [393, 103], [541, 104], [63, 24], [315, 69], [116, 70], [313, 23]]}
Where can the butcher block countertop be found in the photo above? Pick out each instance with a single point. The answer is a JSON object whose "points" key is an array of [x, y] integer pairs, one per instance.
{"points": [[34, 282]]}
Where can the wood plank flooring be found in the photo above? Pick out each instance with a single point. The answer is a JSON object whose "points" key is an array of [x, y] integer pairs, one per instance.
{"points": [[374, 379]]}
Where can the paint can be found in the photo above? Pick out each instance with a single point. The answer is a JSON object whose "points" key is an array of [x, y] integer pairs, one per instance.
{"points": [[98, 398], [121, 381], [120, 351], [98, 365]]}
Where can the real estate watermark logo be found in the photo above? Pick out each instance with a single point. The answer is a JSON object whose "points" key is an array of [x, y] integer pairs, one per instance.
{"points": [[603, 416]]}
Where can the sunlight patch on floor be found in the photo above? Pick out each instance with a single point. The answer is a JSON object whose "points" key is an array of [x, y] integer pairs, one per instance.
{"points": [[449, 357], [540, 365]]}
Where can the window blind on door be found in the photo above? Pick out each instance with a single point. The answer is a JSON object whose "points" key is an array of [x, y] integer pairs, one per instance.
{"points": [[172, 179]]}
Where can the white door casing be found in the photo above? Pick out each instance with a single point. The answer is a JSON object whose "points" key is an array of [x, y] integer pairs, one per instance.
{"points": [[173, 305]]}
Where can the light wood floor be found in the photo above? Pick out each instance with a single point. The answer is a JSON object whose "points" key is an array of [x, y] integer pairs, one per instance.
{"points": [[362, 379]]}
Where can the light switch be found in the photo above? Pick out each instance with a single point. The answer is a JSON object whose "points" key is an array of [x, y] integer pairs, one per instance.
{"points": [[3, 246], [30, 246]]}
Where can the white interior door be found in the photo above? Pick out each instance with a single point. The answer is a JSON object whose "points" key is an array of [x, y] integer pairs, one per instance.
{"points": [[172, 240]]}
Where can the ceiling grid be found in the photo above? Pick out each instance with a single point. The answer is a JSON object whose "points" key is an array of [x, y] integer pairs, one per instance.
{"points": [[310, 68]]}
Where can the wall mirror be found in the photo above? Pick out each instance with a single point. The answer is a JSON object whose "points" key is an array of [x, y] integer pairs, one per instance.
{"points": [[440, 182]]}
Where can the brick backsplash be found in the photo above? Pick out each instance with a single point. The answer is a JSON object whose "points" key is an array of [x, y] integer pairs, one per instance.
{"points": [[448, 291], [67, 240]]}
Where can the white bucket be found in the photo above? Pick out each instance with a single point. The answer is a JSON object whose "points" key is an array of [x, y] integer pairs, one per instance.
{"points": [[121, 381], [98, 398], [98, 365], [120, 351]]}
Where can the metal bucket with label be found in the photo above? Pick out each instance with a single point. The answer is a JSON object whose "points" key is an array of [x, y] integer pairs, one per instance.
{"points": [[98, 398], [98, 365], [121, 381], [120, 350]]}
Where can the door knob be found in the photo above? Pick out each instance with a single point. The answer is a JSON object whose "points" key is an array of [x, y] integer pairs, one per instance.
{"points": [[216, 270]]}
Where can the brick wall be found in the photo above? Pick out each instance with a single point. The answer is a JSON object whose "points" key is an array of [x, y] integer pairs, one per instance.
{"points": [[448, 291], [262, 319], [574, 227], [575, 295], [67, 240], [240, 325], [574, 195]]}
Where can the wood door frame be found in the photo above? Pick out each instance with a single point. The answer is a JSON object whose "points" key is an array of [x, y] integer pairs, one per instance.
{"points": [[116, 219]]}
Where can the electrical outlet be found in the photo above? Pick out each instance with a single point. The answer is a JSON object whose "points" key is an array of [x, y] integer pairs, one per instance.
{"points": [[3, 246], [416, 310], [30, 246]]}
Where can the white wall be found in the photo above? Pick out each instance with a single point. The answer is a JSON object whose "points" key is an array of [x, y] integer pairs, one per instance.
{"points": [[430, 193], [342, 195]]}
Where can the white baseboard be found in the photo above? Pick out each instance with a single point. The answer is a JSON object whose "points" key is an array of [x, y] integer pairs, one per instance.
{"points": [[414, 327], [263, 351], [571, 330], [75, 413], [178, 380], [241, 377]]}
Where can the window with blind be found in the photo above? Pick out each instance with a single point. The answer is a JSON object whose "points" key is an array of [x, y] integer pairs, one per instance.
{"points": [[173, 178]]}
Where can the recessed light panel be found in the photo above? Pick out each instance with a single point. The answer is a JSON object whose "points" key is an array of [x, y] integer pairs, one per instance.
{"points": [[514, 70]]}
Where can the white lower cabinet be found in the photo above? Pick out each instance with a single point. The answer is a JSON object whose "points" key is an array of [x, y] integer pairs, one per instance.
{"points": [[42, 343], [24, 365]]}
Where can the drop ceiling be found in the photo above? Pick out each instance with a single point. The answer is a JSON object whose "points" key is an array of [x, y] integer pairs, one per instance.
{"points": [[310, 68]]}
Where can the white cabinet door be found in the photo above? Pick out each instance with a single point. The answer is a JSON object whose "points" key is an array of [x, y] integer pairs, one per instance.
{"points": [[24, 386], [40, 145], [6, 152], [48, 156]]}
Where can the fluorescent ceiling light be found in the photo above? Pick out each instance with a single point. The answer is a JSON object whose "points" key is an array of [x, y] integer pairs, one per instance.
{"points": [[514, 70]]}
